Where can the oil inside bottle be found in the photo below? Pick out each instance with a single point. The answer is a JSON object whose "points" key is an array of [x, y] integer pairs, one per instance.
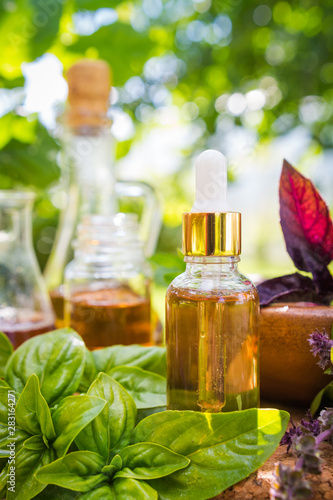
{"points": [[58, 303], [110, 316], [21, 325], [212, 348]]}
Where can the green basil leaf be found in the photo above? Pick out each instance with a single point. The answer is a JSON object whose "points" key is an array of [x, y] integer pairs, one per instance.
{"points": [[9, 432], [52, 492], [57, 358], [111, 430], [324, 397], [78, 471], [7, 436], [130, 489], [4, 480], [145, 412], [90, 372], [149, 461], [6, 349], [27, 462], [104, 492], [223, 447], [35, 443], [146, 388], [152, 359], [72, 415], [32, 411], [8, 400]]}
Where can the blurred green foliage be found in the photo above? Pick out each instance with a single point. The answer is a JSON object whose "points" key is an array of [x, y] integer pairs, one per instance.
{"points": [[167, 267], [266, 67]]}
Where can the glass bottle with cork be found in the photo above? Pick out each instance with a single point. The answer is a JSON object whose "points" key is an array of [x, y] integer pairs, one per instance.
{"points": [[25, 308], [89, 172], [108, 283], [212, 310]]}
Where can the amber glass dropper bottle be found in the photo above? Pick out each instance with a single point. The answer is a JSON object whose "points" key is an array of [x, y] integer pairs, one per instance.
{"points": [[211, 309]]}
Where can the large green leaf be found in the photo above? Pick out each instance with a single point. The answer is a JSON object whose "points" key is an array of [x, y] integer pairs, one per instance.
{"points": [[131, 489], [8, 399], [72, 415], [52, 492], [26, 32], [57, 358], [6, 439], [49, 14], [124, 48], [78, 471], [146, 388], [32, 411], [110, 431], [29, 459], [90, 371], [96, 4], [223, 447], [104, 492], [167, 266], [152, 359], [6, 350], [32, 164], [324, 397], [149, 461], [9, 432]]}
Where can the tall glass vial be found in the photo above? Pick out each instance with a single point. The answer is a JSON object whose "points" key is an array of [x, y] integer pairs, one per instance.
{"points": [[212, 318], [25, 308], [108, 283]]}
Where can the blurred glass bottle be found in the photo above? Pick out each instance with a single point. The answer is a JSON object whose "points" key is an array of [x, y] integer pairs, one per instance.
{"points": [[88, 166], [25, 307], [108, 283]]}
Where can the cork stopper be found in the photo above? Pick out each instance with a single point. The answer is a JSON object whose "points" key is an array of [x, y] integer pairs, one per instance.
{"points": [[89, 84]]}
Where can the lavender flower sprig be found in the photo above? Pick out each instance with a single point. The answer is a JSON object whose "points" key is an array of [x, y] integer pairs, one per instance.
{"points": [[321, 345], [304, 440]]}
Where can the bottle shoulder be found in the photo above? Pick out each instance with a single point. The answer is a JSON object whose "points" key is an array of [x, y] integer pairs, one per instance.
{"points": [[224, 284]]}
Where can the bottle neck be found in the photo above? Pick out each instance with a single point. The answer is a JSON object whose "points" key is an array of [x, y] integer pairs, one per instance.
{"points": [[88, 156], [16, 220], [211, 265]]}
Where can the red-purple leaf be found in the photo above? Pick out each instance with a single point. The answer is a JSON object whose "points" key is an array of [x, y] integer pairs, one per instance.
{"points": [[305, 222], [291, 288]]}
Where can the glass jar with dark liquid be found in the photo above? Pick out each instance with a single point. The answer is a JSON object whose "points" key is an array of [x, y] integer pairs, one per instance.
{"points": [[25, 308], [107, 285], [89, 176]]}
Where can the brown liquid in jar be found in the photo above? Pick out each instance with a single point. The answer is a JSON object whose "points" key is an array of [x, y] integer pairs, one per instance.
{"points": [[110, 316], [28, 325], [58, 303]]}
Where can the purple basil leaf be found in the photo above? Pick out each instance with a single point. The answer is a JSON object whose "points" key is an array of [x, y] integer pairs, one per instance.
{"points": [[290, 288], [306, 225]]}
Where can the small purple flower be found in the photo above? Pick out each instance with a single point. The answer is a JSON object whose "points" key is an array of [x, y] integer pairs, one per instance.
{"points": [[289, 484], [312, 426], [289, 435], [325, 421], [321, 346], [309, 459]]}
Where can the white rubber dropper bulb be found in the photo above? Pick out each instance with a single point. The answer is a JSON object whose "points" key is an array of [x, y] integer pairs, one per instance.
{"points": [[211, 183]]}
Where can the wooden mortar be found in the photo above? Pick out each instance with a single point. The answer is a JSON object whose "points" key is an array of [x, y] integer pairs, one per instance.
{"points": [[288, 370]]}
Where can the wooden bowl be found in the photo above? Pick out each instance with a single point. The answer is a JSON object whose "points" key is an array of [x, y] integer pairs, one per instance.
{"points": [[288, 370]]}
